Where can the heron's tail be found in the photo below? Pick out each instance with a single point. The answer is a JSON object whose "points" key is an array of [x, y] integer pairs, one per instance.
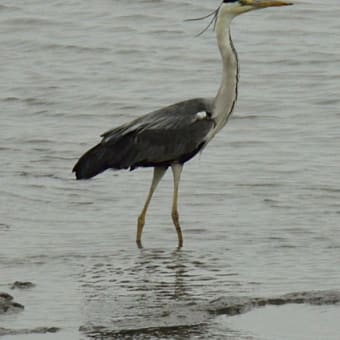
{"points": [[93, 162]]}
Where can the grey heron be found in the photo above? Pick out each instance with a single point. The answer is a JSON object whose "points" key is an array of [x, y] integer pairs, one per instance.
{"points": [[171, 136]]}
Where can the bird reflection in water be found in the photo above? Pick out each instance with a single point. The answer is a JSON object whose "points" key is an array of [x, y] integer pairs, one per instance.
{"points": [[164, 273], [152, 289]]}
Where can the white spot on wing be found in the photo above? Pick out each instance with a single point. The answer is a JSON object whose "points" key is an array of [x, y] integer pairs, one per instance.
{"points": [[201, 115]]}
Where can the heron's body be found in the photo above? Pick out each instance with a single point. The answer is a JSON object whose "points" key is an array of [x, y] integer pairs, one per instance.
{"points": [[171, 136]]}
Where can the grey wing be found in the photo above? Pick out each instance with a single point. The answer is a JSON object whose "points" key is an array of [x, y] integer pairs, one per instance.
{"points": [[174, 133]]}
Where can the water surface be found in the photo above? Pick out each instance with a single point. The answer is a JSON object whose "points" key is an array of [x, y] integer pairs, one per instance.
{"points": [[260, 207]]}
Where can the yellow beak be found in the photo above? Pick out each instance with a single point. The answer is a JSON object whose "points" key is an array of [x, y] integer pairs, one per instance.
{"points": [[264, 3]]}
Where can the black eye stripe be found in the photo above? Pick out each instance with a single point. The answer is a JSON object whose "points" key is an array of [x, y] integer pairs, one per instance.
{"points": [[230, 1]]}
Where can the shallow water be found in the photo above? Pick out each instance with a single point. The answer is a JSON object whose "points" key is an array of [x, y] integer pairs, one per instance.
{"points": [[260, 207]]}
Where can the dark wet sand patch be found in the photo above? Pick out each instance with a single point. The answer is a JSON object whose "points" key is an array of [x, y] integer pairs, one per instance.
{"points": [[22, 285], [38, 330], [8, 305], [198, 317], [239, 305]]}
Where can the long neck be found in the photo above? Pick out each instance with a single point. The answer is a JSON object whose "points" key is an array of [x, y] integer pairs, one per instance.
{"points": [[227, 94]]}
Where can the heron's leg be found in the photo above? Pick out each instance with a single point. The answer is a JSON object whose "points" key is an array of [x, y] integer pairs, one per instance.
{"points": [[176, 171], [158, 173]]}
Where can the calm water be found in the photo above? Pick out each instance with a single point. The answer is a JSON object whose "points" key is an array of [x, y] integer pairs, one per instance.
{"points": [[260, 208]]}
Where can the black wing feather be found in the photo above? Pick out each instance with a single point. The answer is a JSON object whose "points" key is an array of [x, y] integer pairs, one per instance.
{"points": [[172, 134]]}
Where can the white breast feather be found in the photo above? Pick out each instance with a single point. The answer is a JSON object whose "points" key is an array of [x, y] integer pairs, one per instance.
{"points": [[201, 115]]}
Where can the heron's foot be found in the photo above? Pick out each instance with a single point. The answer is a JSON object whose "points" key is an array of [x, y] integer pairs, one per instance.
{"points": [[139, 244], [175, 219], [140, 226]]}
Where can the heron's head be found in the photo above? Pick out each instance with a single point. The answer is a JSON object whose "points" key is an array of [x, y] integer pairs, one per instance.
{"points": [[237, 7]]}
